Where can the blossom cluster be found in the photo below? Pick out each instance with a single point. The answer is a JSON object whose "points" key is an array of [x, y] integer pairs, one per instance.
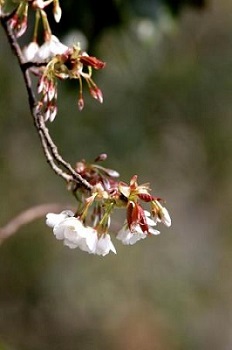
{"points": [[51, 60], [19, 21], [89, 228], [71, 230], [63, 63]]}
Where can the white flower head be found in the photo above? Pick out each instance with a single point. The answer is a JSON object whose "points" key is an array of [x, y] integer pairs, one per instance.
{"points": [[104, 245], [98, 245], [74, 234], [129, 237], [161, 214], [71, 231], [49, 49]]}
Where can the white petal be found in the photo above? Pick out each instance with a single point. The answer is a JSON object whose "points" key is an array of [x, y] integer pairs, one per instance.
{"points": [[166, 219], [150, 222], [49, 49], [67, 228], [112, 248], [55, 219], [69, 244], [153, 231], [147, 213], [71, 235], [123, 233], [72, 224], [104, 245], [57, 14], [127, 237], [91, 240], [58, 232], [53, 114], [137, 237], [30, 51]]}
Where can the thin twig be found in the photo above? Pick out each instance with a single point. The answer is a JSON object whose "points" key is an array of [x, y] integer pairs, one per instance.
{"points": [[50, 160], [56, 155], [27, 216]]}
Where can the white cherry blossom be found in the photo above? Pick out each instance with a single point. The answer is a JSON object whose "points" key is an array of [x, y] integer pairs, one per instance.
{"points": [[74, 234], [71, 231], [129, 237], [99, 245], [104, 245], [49, 49], [161, 214]]}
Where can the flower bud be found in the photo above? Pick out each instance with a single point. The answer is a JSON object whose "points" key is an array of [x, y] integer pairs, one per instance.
{"points": [[101, 157], [57, 12], [96, 93], [80, 103]]}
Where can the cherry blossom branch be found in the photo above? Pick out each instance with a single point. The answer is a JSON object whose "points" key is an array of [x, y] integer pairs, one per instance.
{"points": [[26, 217], [96, 188], [50, 149]]}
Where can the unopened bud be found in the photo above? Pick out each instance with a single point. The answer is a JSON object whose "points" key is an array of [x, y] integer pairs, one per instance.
{"points": [[80, 104], [97, 94], [101, 157], [57, 12]]}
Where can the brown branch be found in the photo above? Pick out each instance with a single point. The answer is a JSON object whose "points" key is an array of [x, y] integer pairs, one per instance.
{"points": [[51, 153], [27, 216], [51, 162], [54, 151]]}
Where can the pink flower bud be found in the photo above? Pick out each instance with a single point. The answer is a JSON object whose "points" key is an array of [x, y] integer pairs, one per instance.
{"points": [[22, 27], [18, 24], [80, 104], [51, 91], [42, 84], [50, 113], [96, 93], [53, 113], [13, 21], [101, 157]]}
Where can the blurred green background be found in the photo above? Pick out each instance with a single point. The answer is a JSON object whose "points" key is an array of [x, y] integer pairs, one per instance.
{"points": [[166, 117]]}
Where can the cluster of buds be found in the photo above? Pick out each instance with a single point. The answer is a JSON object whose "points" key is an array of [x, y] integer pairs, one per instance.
{"points": [[19, 20], [52, 61], [72, 63], [89, 227], [48, 102]]}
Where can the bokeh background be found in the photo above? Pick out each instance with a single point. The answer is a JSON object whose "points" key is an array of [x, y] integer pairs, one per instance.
{"points": [[167, 117]]}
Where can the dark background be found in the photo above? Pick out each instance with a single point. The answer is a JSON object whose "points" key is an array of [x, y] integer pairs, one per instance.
{"points": [[167, 117]]}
